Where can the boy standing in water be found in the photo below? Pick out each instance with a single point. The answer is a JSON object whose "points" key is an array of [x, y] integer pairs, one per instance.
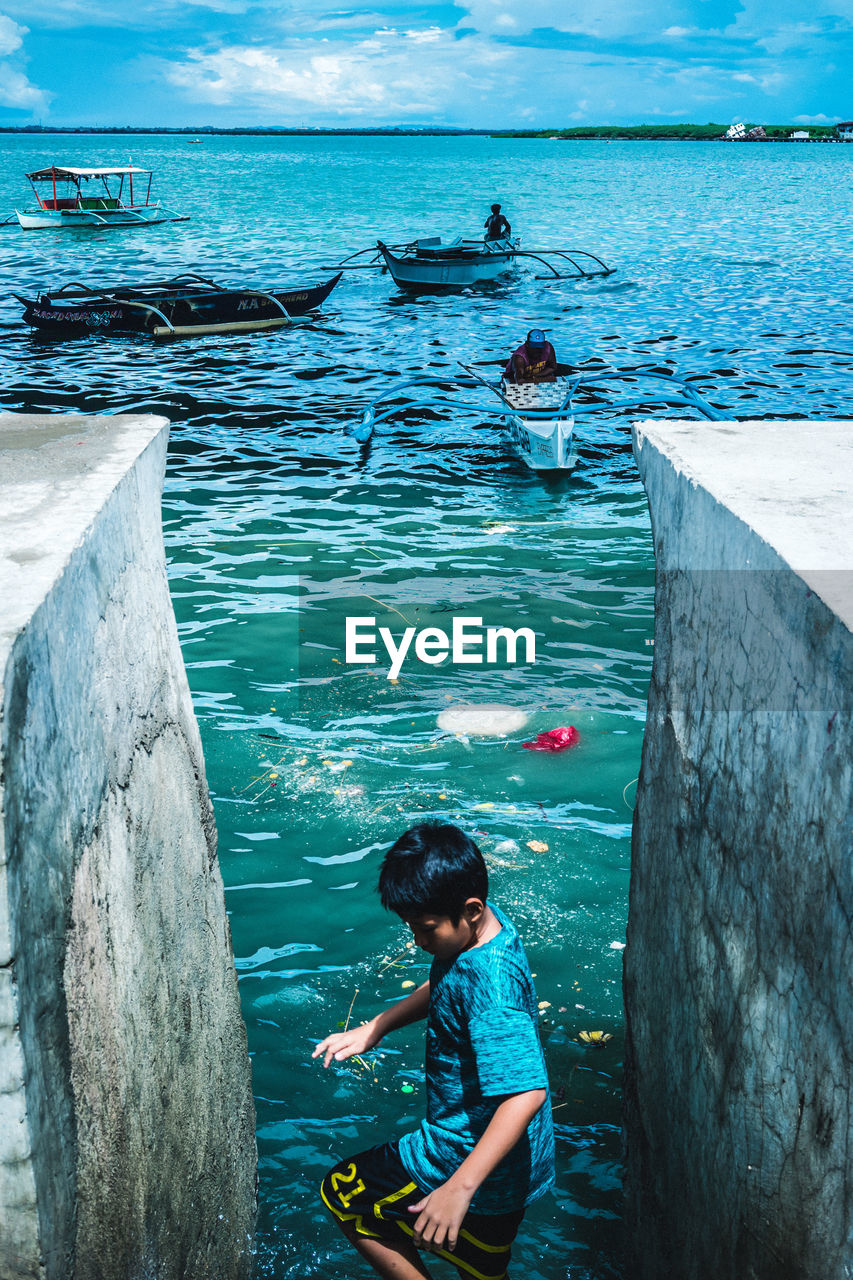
{"points": [[459, 1184]]}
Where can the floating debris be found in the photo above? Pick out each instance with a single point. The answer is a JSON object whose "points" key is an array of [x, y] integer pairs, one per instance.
{"points": [[538, 846], [484, 719], [595, 1038], [554, 739], [337, 766]]}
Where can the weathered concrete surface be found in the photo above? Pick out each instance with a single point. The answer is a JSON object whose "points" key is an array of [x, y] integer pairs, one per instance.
{"points": [[126, 1120], [739, 1095]]}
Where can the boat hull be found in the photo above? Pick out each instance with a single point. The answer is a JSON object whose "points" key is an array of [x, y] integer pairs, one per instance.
{"points": [[545, 443], [445, 269], [174, 311], [87, 219], [543, 446]]}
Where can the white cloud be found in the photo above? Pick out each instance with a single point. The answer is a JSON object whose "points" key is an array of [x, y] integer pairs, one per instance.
{"points": [[15, 89], [392, 74], [11, 36], [429, 36], [604, 18]]}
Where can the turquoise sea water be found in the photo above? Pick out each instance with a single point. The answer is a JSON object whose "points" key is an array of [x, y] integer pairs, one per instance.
{"points": [[733, 263]]}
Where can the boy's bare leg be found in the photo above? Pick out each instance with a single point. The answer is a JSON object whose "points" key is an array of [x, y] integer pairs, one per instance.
{"points": [[392, 1262]]}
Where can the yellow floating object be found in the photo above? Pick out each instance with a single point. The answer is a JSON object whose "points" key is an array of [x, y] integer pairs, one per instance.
{"points": [[538, 846], [546, 1004], [488, 804], [594, 1037], [408, 984]]}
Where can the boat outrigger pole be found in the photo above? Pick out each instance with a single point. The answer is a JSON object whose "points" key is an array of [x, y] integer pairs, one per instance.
{"points": [[579, 273], [674, 391]]}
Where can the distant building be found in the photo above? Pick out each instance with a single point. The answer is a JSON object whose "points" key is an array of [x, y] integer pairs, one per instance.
{"points": [[799, 135], [844, 129], [736, 132], [756, 134]]}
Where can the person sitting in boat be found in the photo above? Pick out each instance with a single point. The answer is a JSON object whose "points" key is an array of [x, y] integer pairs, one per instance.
{"points": [[496, 225], [534, 361]]}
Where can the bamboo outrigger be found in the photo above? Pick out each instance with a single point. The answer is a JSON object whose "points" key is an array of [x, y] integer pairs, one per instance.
{"points": [[539, 418]]}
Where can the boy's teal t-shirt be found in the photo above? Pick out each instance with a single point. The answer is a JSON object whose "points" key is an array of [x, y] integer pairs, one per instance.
{"points": [[482, 1045]]}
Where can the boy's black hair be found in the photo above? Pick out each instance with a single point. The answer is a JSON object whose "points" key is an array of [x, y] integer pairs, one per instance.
{"points": [[432, 870]]}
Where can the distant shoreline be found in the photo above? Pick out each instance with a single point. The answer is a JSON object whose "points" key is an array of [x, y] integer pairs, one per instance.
{"points": [[586, 133]]}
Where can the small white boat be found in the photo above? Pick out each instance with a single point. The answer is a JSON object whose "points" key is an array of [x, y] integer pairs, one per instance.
{"points": [[430, 265], [72, 198], [539, 418]]}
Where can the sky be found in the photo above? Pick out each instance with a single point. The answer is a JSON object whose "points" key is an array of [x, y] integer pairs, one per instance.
{"points": [[472, 64]]}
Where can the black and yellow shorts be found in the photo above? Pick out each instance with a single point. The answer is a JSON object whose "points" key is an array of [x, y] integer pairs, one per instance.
{"points": [[373, 1191]]}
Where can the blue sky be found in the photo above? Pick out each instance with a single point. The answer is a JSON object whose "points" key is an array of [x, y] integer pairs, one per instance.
{"points": [[478, 63]]}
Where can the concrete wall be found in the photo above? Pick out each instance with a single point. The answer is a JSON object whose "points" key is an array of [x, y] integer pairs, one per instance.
{"points": [[126, 1119], [738, 992]]}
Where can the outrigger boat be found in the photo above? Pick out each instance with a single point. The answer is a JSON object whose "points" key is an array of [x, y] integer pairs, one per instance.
{"points": [[539, 418], [427, 264], [184, 306], [68, 198]]}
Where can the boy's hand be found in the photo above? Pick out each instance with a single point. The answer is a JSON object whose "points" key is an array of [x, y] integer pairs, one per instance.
{"points": [[440, 1216], [346, 1044]]}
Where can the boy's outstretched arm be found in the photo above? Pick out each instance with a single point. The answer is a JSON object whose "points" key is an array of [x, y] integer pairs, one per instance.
{"points": [[441, 1212], [346, 1044]]}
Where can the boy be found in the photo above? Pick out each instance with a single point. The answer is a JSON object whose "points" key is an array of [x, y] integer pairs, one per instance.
{"points": [[459, 1185], [496, 224]]}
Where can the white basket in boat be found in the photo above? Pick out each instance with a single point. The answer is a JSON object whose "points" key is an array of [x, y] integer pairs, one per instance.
{"points": [[536, 395]]}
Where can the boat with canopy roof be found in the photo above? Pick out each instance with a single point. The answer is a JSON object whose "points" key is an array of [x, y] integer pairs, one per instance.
{"points": [[69, 197]]}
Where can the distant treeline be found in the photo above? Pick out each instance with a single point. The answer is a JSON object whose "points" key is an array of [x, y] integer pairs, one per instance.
{"points": [[684, 132], [638, 132]]}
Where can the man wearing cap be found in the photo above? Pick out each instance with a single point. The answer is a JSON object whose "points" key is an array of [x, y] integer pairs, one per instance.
{"points": [[496, 224], [534, 361]]}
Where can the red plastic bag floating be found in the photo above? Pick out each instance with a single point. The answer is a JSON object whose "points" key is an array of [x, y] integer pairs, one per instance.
{"points": [[554, 739]]}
